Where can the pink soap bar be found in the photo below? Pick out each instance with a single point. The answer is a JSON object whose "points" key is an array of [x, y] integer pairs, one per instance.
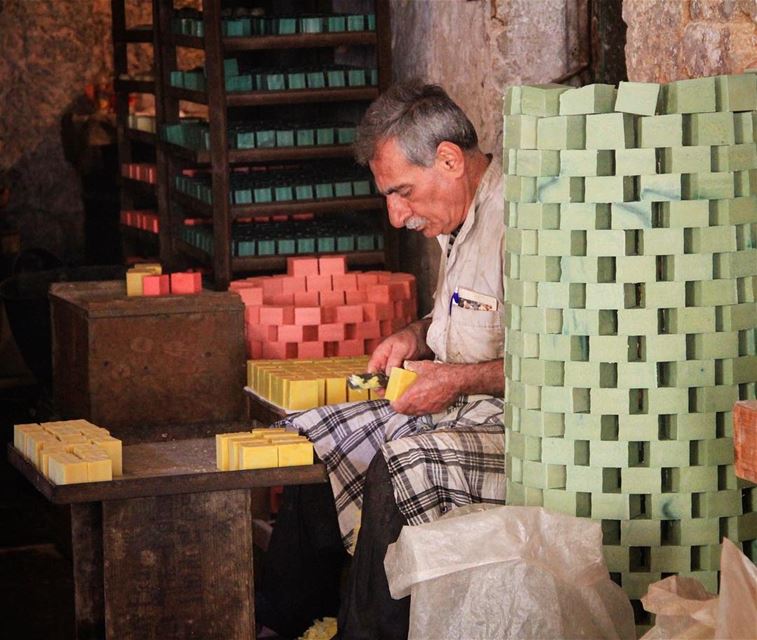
{"points": [[332, 264], [184, 283], [156, 285], [302, 266]]}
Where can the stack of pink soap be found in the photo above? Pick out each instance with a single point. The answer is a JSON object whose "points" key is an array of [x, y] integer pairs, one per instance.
{"points": [[145, 219], [319, 309], [142, 171]]}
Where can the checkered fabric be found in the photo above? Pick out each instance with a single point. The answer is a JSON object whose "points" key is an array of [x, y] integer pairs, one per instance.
{"points": [[436, 462]]}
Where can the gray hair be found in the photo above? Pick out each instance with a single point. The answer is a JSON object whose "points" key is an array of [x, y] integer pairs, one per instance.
{"points": [[419, 116]]}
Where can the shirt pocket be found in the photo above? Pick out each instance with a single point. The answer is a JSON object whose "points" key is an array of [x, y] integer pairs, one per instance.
{"points": [[474, 336]]}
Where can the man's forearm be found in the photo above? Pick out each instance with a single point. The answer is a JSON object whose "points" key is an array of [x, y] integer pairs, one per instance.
{"points": [[481, 377]]}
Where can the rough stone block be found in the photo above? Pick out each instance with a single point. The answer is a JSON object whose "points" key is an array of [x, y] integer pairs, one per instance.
{"points": [[662, 187], [686, 160], [690, 96], [661, 131], [635, 162], [641, 98], [586, 162], [610, 131], [609, 189], [592, 98], [561, 132]]}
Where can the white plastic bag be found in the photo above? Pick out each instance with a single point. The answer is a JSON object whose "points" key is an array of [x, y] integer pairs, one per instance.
{"points": [[685, 611], [507, 572]]}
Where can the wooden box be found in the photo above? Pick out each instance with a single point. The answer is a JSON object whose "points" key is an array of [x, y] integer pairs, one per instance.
{"points": [[144, 366]]}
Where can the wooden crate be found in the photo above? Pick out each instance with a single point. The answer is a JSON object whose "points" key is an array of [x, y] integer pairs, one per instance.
{"points": [[146, 367]]}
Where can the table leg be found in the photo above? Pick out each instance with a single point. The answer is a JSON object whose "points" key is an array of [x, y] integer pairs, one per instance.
{"points": [[87, 552], [179, 566]]}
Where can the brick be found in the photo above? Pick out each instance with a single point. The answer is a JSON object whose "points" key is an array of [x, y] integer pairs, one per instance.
{"points": [[637, 427], [331, 298], [610, 131], [641, 98], [297, 333], [662, 187], [274, 316], [635, 162], [293, 284], [535, 163], [661, 131], [609, 189], [690, 96], [186, 283], [667, 400], [592, 98], [585, 162], [561, 132]]}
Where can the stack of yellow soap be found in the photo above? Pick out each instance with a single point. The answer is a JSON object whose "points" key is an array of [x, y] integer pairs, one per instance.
{"points": [[304, 384], [262, 449], [70, 451], [136, 273]]}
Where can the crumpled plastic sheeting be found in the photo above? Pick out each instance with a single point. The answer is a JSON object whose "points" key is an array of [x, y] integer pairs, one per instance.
{"points": [[489, 571], [685, 611]]}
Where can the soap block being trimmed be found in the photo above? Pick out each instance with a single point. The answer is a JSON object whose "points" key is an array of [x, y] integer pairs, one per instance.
{"points": [[186, 283], [295, 454], [66, 468], [399, 380], [593, 98], [641, 98]]}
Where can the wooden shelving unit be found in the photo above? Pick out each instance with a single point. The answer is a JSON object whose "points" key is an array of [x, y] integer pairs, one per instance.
{"points": [[224, 107]]}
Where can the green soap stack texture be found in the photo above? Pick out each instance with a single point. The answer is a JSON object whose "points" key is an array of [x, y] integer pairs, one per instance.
{"points": [[630, 288]]}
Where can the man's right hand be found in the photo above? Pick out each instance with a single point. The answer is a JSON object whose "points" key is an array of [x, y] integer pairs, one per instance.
{"points": [[407, 344]]}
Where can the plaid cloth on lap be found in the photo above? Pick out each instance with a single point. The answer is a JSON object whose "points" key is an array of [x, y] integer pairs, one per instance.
{"points": [[436, 462]]}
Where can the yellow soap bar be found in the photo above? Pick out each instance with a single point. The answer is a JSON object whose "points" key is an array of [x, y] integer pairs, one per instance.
{"points": [[134, 282], [256, 454], [399, 380], [233, 446], [223, 442], [19, 432], [112, 447], [35, 441], [357, 395], [295, 454], [99, 466], [268, 431], [153, 268], [302, 394], [66, 468], [44, 458]]}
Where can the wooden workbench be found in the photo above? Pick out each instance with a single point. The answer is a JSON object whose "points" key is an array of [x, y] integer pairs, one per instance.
{"points": [[165, 551]]}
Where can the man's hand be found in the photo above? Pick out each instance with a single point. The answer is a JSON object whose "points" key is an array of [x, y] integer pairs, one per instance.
{"points": [[438, 385], [407, 344]]}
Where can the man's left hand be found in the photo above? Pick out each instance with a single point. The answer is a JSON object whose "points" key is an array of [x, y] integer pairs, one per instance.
{"points": [[435, 388]]}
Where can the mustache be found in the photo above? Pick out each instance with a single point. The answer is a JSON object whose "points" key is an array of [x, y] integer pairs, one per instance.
{"points": [[416, 222]]}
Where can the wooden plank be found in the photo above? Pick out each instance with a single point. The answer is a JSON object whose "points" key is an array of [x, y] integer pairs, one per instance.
{"points": [[166, 468], [87, 548], [179, 567], [294, 41]]}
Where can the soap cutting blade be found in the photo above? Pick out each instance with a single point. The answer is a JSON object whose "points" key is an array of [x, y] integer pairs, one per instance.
{"points": [[367, 381]]}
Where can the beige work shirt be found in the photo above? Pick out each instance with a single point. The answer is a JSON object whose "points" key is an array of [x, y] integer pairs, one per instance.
{"points": [[456, 334]]}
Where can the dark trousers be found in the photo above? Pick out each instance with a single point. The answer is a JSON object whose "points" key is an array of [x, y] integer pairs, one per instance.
{"points": [[305, 559]]}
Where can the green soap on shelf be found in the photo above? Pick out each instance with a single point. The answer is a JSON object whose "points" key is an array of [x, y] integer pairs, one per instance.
{"points": [[593, 98], [262, 194], [265, 138], [690, 96], [305, 245], [324, 135], [284, 137], [370, 21], [239, 83], [610, 131], [365, 242], [243, 196], [296, 80], [230, 67], [283, 193], [266, 247], [177, 79], [305, 137], [274, 81], [194, 81], [361, 187], [303, 192], [356, 22], [326, 244], [336, 24], [245, 248], [311, 24], [324, 190], [315, 79], [335, 78], [345, 243], [736, 92], [356, 77], [285, 25], [635, 162], [372, 75], [343, 189], [345, 135], [640, 98], [286, 246]]}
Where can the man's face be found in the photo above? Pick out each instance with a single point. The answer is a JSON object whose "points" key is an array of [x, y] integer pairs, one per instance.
{"points": [[427, 199]]}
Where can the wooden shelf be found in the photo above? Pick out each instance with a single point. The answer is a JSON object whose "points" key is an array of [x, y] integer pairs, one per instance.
{"points": [[272, 154], [145, 137], [137, 35], [134, 86], [292, 96], [137, 186], [294, 41]]}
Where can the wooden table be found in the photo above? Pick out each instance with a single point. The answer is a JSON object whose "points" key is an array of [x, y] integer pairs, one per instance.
{"points": [[166, 550]]}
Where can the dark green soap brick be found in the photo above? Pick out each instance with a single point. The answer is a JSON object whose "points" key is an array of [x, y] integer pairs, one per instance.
{"points": [[335, 78], [283, 193], [274, 81], [324, 190], [286, 26], [285, 246], [284, 138], [343, 189], [246, 248], [305, 245], [262, 194], [379, 241], [326, 244], [365, 243], [315, 79], [230, 67], [361, 187], [336, 23], [355, 23], [177, 79], [243, 196], [345, 135], [266, 247], [303, 192], [305, 137], [345, 243], [370, 22], [265, 138], [356, 77], [311, 24], [296, 80], [324, 135], [245, 140]]}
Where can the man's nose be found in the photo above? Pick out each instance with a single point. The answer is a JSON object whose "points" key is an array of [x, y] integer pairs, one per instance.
{"points": [[398, 210]]}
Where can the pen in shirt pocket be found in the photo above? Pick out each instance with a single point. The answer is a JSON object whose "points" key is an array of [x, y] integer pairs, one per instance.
{"points": [[454, 299]]}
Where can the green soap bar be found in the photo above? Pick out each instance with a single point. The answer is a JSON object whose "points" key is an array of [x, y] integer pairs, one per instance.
{"points": [[177, 79], [635, 428], [266, 247], [558, 295], [745, 183], [634, 322], [713, 293], [583, 162], [657, 242], [536, 163], [285, 246], [274, 81], [742, 210], [230, 67], [631, 215], [709, 186], [722, 504], [335, 24], [345, 243], [305, 137], [593, 98], [284, 138], [555, 347], [519, 132], [640, 533], [662, 187], [343, 189], [641, 98], [691, 320], [538, 372], [311, 24], [690, 96], [636, 585], [543, 476], [283, 193], [265, 138], [709, 129], [536, 268], [686, 213], [242, 196], [686, 159], [739, 317], [585, 479], [345, 135], [356, 77], [246, 248], [720, 398], [295, 80], [245, 140], [670, 558], [657, 295], [661, 131], [582, 427], [669, 453], [634, 375], [285, 26], [303, 192], [610, 131], [542, 320], [737, 157], [745, 127], [610, 242], [713, 239], [617, 188], [736, 265], [365, 242], [326, 244], [605, 296], [305, 245], [584, 216], [336, 78], [355, 22], [562, 132], [520, 189], [608, 349], [736, 92], [541, 100], [609, 454], [670, 506], [361, 187], [262, 194], [666, 348], [512, 100], [324, 135], [700, 531], [582, 322], [635, 162], [616, 557], [612, 506], [569, 502], [692, 266], [537, 215], [560, 189], [315, 79]]}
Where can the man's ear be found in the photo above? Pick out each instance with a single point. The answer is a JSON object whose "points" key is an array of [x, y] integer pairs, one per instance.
{"points": [[450, 159]]}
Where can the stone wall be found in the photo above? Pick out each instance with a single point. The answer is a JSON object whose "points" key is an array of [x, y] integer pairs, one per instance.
{"points": [[476, 49], [678, 39]]}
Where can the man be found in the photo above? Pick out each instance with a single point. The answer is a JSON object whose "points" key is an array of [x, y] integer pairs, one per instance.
{"points": [[441, 444]]}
